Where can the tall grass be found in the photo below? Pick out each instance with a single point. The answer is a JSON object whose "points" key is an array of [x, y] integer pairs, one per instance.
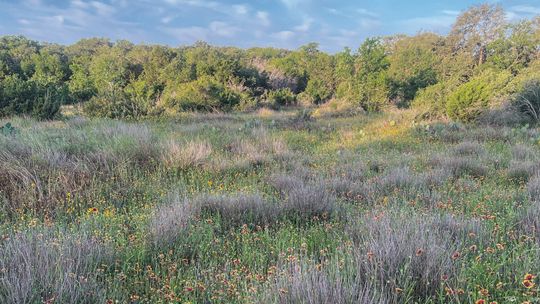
{"points": [[39, 266]]}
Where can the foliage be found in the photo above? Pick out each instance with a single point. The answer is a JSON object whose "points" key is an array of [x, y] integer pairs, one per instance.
{"points": [[280, 97], [473, 97], [123, 80], [203, 94], [528, 100], [18, 96]]}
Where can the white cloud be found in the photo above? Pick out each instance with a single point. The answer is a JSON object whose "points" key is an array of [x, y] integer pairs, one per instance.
{"points": [[24, 21], [223, 29], [283, 35], [293, 3], [451, 12], [369, 23], [365, 12], [167, 19], [305, 26], [240, 9], [263, 17], [187, 34], [525, 9]]}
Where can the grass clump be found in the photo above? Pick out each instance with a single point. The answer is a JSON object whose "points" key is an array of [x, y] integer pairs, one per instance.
{"points": [[47, 266]]}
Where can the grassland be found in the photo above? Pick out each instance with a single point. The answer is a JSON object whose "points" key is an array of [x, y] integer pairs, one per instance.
{"points": [[269, 208]]}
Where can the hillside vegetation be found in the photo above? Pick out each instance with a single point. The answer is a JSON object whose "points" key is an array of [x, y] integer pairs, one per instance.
{"points": [[481, 64]]}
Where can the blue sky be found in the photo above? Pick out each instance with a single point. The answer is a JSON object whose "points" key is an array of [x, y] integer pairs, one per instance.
{"points": [[244, 23]]}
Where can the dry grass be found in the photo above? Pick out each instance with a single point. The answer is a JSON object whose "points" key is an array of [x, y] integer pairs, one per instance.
{"points": [[238, 210], [170, 221], [307, 282], [41, 266], [398, 250], [186, 155]]}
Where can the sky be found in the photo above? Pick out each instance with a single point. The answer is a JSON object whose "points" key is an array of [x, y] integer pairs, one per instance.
{"points": [[288, 24]]}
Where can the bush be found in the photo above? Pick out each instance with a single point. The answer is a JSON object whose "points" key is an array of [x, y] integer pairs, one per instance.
{"points": [[528, 100], [468, 101], [112, 105], [203, 94], [280, 97], [20, 97]]}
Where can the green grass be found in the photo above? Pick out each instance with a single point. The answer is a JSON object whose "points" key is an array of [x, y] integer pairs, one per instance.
{"points": [[107, 179]]}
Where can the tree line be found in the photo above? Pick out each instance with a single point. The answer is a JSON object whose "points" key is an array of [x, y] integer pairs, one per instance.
{"points": [[482, 61]]}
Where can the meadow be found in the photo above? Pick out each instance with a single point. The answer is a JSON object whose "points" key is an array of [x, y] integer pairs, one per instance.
{"points": [[269, 207]]}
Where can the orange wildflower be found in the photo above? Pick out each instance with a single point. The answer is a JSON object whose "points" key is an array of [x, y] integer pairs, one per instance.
{"points": [[528, 284]]}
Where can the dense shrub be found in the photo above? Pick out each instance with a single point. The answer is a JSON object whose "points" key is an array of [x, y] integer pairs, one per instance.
{"points": [[468, 101], [203, 94], [112, 105], [18, 96], [280, 97]]}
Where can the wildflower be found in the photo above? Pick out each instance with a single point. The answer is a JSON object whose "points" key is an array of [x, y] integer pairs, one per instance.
{"points": [[444, 277], [480, 301], [500, 246], [484, 292], [528, 284], [529, 277], [399, 290], [473, 248], [456, 255], [419, 251]]}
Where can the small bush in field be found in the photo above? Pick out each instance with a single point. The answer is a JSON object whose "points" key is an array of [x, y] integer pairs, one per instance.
{"points": [[186, 155], [240, 209], [280, 97], [306, 282], [41, 266], [460, 166], [524, 152], [468, 148], [422, 252], [304, 198], [522, 171], [170, 221]]}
